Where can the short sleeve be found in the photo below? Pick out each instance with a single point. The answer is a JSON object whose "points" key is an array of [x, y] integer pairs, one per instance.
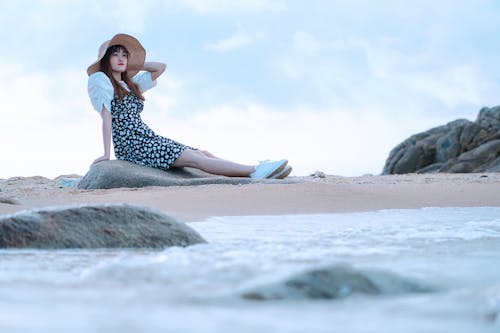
{"points": [[100, 91], [144, 81]]}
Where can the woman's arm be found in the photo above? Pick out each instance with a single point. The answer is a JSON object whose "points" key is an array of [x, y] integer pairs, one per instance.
{"points": [[106, 135], [155, 68]]}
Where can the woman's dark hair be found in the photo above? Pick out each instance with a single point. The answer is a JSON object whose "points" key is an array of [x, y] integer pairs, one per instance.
{"points": [[120, 91]]}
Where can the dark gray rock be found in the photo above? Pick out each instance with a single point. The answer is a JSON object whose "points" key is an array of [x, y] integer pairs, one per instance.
{"points": [[94, 226], [493, 166], [471, 136], [334, 283], [8, 200], [447, 146], [489, 118], [478, 159], [459, 146], [403, 158], [435, 167], [415, 156], [116, 174]]}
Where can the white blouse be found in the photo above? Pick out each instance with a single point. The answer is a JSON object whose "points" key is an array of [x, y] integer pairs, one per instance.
{"points": [[101, 90]]}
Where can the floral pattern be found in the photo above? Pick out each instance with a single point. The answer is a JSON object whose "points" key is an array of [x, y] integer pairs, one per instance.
{"points": [[135, 142]]}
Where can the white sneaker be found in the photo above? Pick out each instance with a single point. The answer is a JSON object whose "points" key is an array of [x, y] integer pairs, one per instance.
{"points": [[268, 169], [283, 173]]}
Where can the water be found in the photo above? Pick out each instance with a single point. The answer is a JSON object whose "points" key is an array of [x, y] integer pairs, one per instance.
{"points": [[456, 251]]}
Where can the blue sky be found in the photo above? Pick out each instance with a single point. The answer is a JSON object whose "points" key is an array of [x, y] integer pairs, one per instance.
{"points": [[330, 85]]}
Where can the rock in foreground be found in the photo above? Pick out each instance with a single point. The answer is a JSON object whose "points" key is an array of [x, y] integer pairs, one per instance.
{"points": [[334, 283], [460, 146], [116, 174], [94, 226]]}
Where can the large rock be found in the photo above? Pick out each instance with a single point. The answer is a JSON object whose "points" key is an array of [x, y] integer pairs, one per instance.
{"points": [[116, 173], [482, 158], [459, 146], [94, 226], [8, 200], [336, 282]]}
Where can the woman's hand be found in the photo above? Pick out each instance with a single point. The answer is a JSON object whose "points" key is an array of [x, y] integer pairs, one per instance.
{"points": [[100, 159], [155, 68]]}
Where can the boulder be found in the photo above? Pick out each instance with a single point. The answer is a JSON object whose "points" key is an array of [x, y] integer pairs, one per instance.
{"points": [[117, 173], [493, 166], [447, 146], [94, 226], [489, 118], [459, 146], [336, 282], [479, 159], [8, 200], [471, 136]]}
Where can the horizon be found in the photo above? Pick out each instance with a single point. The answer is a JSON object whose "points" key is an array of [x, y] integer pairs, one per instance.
{"points": [[331, 86]]}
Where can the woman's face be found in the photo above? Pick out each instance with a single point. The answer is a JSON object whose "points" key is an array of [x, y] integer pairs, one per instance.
{"points": [[118, 60]]}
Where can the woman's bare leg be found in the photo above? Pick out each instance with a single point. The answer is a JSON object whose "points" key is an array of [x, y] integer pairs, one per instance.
{"points": [[207, 153], [207, 162]]}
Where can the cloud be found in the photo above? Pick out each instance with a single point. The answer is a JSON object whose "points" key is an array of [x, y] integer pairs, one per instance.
{"points": [[234, 42], [452, 86], [239, 39], [47, 127], [56, 131], [387, 71], [341, 141], [335, 99]]}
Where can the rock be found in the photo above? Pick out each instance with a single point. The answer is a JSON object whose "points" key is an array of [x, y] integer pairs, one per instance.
{"points": [[94, 226], [8, 201], [116, 174], [493, 166], [459, 146], [447, 146], [414, 157], [400, 158], [475, 160], [489, 118], [435, 167], [318, 174], [334, 283], [471, 136]]}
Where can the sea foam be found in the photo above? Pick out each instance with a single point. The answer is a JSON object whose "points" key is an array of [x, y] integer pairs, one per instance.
{"points": [[452, 252]]}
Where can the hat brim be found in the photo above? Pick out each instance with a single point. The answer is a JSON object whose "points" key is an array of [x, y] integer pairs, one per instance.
{"points": [[136, 54]]}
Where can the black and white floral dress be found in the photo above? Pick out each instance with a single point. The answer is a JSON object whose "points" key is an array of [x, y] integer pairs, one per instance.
{"points": [[133, 140]]}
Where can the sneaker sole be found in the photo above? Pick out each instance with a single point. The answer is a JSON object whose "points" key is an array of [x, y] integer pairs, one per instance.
{"points": [[284, 173], [278, 170]]}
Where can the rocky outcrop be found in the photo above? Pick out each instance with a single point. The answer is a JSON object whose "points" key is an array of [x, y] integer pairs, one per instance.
{"points": [[334, 283], [461, 146], [94, 226], [116, 173]]}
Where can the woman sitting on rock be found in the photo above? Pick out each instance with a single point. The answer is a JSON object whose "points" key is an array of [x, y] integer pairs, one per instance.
{"points": [[116, 90]]}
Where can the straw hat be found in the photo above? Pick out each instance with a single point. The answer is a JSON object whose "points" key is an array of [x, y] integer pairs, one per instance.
{"points": [[136, 54]]}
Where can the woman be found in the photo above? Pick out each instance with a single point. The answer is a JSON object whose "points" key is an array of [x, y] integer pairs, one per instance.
{"points": [[116, 90]]}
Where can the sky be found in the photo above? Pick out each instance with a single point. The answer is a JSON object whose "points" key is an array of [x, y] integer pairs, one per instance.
{"points": [[332, 86]]}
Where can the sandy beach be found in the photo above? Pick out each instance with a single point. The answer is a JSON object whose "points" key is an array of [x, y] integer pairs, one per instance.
{"points": [[262, 268], [305, 195]]}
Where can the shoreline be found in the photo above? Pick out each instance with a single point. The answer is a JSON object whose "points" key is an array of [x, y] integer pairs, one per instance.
{"points": [[307, 195]]}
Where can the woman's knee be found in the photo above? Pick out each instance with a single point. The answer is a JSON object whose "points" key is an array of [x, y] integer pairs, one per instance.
{"points": [[190, 158], [205, 153]]}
